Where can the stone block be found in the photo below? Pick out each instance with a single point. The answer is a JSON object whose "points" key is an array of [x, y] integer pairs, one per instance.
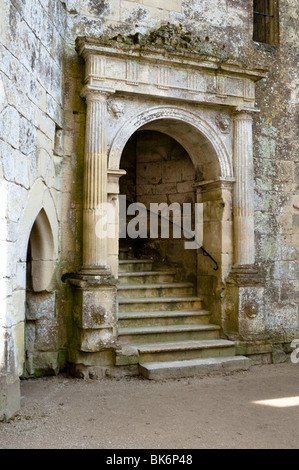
{"points": [[54, 110], [95, 308], [43, 275], [38, 94], [286, 270], [10, 397], [148, 173], [10, 126], [16, 200], [40, 306], [18, 334], [44, 124], [188, 171], [46, 363], [21, 173], [244, 304], [185, 187], [171, 5], [29, 337], [156, 14], [285, 170], [146, 189], [171, 171], [44, 68], [98, 359], [47, 335], [8, 161], [16, 308], [95, 340]]}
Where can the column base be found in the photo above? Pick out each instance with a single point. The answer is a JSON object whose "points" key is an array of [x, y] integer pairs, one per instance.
{"points": [[244, 304], [94, 314]]}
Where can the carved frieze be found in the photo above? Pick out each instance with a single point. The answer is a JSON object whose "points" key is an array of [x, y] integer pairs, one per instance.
{"points": [[184, 76]]}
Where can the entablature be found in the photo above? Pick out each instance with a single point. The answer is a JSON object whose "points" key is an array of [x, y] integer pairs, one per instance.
{"points": [[155, 72]]}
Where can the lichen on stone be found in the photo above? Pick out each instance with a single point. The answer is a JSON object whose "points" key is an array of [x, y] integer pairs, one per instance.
{"points": [[171, 37]]}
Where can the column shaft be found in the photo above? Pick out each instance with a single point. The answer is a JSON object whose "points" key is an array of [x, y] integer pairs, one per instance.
{"points": [[243, 191], [95, 182]]}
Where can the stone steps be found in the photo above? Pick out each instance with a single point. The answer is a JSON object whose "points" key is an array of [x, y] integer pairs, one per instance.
{"points": [[166, 317], [136, 265], [149, 277], [155, 290], [159, 303], [167, 333], [193, 367], [184, 350], [164, 329]]}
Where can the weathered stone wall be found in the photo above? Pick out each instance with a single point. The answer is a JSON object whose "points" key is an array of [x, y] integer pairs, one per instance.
{"points": [[276, 175], [31, 113], [42, 125]]}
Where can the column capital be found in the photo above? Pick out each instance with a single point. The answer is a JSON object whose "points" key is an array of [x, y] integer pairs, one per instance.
{"points": [[244, 114], [96, 94]]}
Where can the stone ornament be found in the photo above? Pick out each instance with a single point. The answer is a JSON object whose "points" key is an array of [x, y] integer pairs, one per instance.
{"points": [[251, 309], [223, 123], [116, 109]]}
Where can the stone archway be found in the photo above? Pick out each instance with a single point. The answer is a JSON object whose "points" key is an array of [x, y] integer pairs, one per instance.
{"points": [[193, 132], [213, 185], [129, 89]]}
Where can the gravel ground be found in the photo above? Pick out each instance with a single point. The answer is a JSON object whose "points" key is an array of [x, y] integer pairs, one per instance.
{"points": [[219, 412]]}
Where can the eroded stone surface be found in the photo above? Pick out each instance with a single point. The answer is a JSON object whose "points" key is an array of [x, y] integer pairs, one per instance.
{"points": [[42, 138]]}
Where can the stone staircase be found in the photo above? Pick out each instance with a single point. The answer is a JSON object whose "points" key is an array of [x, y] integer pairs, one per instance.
{"points": [[164, 328]]}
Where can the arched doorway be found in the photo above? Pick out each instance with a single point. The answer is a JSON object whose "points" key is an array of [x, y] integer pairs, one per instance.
{"points": [[160, 173], [212, 182]]}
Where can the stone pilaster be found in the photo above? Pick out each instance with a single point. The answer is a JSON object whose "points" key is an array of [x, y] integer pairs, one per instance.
{"points": [[94, 287], [95, 181], [244, 190], [244, 307]]}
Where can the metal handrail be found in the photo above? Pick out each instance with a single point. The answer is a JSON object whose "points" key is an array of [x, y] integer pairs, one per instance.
{"points": [[205, 252]]}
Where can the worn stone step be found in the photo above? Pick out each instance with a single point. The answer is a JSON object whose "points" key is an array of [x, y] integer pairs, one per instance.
{"points": [[159, 303], [129, 265], [146, 277], [193, 367], [124, 253], [155, 290], [184, 350], [176, 317], [167, 333]]}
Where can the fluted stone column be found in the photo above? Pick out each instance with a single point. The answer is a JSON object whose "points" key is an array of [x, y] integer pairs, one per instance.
{"points": [[243, 192], [245, 294], [94, 287], [95, 181]]}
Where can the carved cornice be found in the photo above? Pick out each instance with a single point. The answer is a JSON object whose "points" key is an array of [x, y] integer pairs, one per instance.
{"points": [[183, 75]]}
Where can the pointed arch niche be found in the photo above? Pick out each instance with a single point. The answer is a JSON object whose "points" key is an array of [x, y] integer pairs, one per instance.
{"points": [[38, 256]]}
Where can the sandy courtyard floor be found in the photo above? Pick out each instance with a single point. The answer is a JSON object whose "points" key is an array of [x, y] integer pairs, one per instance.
{"points": [[213, 412]]}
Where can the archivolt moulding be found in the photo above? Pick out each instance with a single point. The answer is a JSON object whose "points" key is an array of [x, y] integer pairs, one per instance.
{"points": [[176, 114]]}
